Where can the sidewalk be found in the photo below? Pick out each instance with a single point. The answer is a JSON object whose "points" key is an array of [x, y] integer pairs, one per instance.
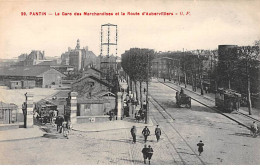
{"points": [[211, 96], [126, 123], [21, 134]]}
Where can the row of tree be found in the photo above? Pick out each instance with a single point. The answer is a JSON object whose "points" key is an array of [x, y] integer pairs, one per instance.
{"points": [[230, 67], [136, 63]]}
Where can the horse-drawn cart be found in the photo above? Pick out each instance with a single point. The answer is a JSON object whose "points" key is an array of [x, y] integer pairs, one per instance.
{"points": [[45, 111], [183, 100]]}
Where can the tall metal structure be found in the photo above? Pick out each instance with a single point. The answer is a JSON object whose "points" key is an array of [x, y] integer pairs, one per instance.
{"points": [[109, 38], [108, 43]]}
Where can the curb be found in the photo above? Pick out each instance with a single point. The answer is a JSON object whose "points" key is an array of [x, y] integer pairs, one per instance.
{"points": [[103, 130]]}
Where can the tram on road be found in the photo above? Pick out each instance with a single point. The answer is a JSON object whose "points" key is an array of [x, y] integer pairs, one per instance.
{"points": [[227, 100]]}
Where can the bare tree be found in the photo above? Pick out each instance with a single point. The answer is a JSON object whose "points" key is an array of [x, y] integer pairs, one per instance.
{"points": [[250, 56]]}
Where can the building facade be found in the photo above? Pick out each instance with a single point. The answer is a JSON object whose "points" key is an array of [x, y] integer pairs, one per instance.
{"points": [[43, 76], [79, 58]]}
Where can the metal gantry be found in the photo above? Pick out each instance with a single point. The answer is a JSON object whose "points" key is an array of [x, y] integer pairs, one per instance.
{"points": [[109, 42]]}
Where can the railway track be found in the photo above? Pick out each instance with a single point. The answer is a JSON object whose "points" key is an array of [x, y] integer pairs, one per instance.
{"points": [[166, 115], [219, 111]]}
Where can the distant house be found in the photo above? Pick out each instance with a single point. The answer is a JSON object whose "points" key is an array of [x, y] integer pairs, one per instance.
{"points": [[21, 84], [98, 105], [94, 98], [44, 76], [35, 57], [90, 84]]}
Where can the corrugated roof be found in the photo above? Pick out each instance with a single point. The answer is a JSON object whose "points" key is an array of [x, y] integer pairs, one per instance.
{"points": [[23, 70]]}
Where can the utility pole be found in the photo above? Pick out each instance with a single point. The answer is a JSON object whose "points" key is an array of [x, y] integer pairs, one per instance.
{"points": [[185, 77], [179, 69], [147, 102]]}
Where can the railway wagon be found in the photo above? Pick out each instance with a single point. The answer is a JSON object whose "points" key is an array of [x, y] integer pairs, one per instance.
{"points": [[227, 100]]}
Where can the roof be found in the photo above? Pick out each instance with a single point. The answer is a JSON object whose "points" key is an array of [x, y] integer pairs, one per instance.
{"points": [[47, 63], [96, 79], [96, 70], [52, 69], [229, 92], [104, 93], [45, 102], [24, 70], [62, 94], [7, 106]]}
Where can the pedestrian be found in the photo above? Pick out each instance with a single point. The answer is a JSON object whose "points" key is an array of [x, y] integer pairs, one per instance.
{"points": [[164, 79], [158, 133], [133, 133], [149, 153], [24, 108], [182, 91], [255, 126], [59, 120], [144, 90], [65, 129], [145, 153], [146, 133], [200, 145], [206, 89], [177, 98]]}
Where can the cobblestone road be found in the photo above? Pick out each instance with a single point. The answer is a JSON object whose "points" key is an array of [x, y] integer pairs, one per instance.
{"points": [[225, 141]]}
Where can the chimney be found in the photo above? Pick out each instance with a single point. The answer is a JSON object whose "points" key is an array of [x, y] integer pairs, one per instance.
{"points": [[86, 48], [43, 54]]}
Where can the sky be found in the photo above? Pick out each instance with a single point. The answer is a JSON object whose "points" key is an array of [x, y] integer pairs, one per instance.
{"points": [[209, 24]]}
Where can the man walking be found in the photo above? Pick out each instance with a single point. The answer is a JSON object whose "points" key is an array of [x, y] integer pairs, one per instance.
{"points": [[145, 153], [149, 153], [146, 133], [158, 133], [200, 145], [133, 133]]}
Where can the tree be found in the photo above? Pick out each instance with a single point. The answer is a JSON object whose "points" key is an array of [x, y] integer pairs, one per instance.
{"points": [[136, 63], [249, 57]]}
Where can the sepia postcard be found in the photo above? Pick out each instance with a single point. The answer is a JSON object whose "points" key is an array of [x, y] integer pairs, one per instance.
{"points": [[137, 82]]}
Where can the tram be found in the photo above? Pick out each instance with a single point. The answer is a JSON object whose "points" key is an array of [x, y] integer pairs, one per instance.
{"points": [[227, 100]]}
